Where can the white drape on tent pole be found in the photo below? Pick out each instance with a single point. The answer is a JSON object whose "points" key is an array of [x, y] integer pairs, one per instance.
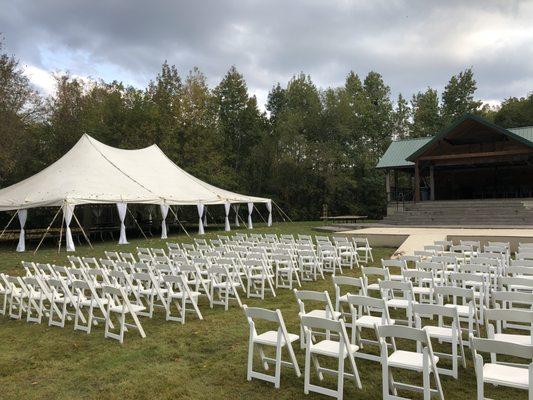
{"points": [[250, 210], [164, 213], [200, 214], [122, 209], [236, 207], [205, 216], [68, 211], [269, 208], [227, 207], [23, 215]]}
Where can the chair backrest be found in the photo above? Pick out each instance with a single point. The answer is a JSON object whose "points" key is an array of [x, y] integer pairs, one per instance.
{"points": [[403, 332], [381, 273], [393, 263], [314, 296], [500, 347], [474, 244]]}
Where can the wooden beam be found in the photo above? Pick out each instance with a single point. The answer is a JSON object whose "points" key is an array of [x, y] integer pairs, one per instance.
{"points": [[478, 155], [431, 183], [417, 182], [387, 185]]}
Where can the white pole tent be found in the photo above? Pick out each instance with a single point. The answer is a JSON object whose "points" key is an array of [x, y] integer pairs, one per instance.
{"points": [[94, 173]]}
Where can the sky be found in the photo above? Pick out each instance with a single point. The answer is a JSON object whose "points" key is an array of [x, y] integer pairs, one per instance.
{"points": [[413, 44]]}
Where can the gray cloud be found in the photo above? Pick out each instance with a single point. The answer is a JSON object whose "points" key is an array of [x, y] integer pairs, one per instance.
{"points": [[413, 44]]}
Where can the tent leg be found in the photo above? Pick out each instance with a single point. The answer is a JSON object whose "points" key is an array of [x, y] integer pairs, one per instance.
{"points": [[47, 230], [9, 223], [82, 231], [179, 222], [136, 223]]}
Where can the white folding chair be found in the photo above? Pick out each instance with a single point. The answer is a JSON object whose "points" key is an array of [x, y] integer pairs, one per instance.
{"points": [[326, 309], [178, 293], [371, 272], [462, 299], [496, 374], [424, 362], [286, 271], [257, 278], [399, 295], [328, 348], [344, 286], [364, 310], [451, 333], [278, 339], [400, 265], [495, 320], [363, 246], [223, 287], [118, 303]]}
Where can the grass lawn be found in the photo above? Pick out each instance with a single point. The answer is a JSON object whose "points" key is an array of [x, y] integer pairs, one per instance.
{"points": [[198, 360]]}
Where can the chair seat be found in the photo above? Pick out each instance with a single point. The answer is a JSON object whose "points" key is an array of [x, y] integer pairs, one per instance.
{"points": [[223, 285], [134, 307], [89, 302], [369, 321], [323, 314], [510, 338], [330, 348], [439, 332], [373, 286], [399, 303], [270, 338], [506, 375], [179, 295], [408, 360]]}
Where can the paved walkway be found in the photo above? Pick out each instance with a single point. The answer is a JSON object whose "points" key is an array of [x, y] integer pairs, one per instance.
{"points": [[411, 239]]}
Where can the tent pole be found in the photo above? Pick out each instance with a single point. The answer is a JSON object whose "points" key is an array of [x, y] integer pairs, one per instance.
{"points": [[9, 223], [82, 231], [276, 204], [261, 215], [138, 226], [179, 222], [47, 229], [60, 235]]}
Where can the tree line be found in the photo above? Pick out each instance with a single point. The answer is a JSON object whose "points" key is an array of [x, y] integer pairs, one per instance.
{"points": [[310, 147]]}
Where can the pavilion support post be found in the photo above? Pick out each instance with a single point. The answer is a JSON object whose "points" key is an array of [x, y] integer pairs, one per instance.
{"points": [[431, 183], [387, 185], [417, 182]]}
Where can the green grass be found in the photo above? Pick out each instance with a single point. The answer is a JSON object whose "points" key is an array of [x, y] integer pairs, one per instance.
{"points": [[198, 360]]}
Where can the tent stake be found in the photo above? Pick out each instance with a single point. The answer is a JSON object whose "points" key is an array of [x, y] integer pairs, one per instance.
{"points": [[179, 222], [82, 231], [9, 223], [47, 229], [138, 226]]}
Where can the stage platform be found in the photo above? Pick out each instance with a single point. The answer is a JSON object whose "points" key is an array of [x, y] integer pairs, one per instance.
{"points": [[408, 239]]}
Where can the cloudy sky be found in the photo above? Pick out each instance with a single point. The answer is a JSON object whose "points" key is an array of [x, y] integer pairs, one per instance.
{"points": [[413, 44]]}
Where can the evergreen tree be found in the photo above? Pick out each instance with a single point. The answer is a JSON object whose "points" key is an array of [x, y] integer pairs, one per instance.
{"points": [[401, 118]]}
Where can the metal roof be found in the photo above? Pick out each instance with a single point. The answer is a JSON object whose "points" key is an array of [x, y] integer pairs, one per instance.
{"points": [[525, 132], [399, 150]]}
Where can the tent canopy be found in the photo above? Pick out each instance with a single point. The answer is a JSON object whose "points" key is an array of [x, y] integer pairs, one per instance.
{"points": [[94, 173]]}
